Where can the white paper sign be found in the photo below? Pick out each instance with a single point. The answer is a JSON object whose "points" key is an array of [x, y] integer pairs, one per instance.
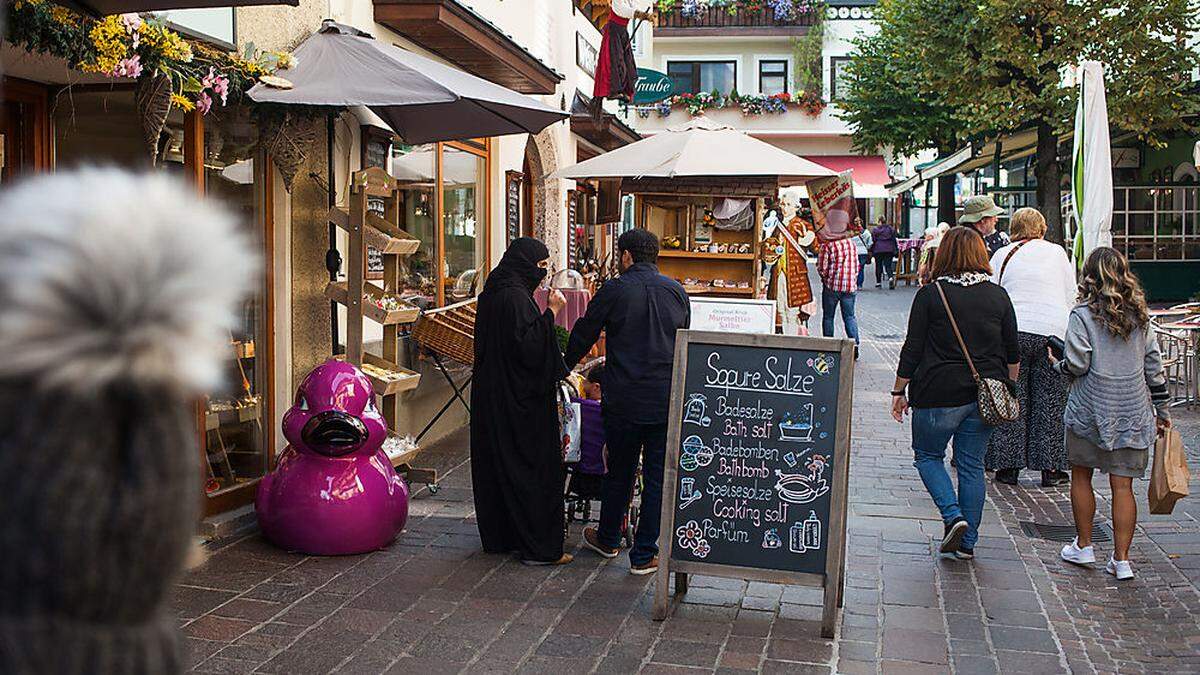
{"points": [[730, 315]]}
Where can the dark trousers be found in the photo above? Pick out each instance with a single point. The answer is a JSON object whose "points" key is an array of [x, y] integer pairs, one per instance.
{"points": [[627, 442], [885, 264]]}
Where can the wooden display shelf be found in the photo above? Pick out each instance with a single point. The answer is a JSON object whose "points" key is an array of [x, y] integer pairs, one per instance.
{"points": [[404, 457], [405, 380], [215, 418], [379, 233], [695, 255], [337, 292], [718, 290]]}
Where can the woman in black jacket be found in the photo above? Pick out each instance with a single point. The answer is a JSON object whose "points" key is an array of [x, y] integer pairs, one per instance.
{"points": [[933, 378]]}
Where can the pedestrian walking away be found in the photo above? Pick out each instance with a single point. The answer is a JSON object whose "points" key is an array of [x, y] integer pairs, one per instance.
{"points": [[982, 214], [884, 248], [862, 244], [1040, 281], [935, 381], [1117, 404], [517, 471], [639, 312], [837, 263]]}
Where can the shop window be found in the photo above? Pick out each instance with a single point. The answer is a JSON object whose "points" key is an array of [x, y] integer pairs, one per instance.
{"points": [[464, 219], [837, 76], [102, 127], [451, 262], [696, 76], [237, 418], [416, 168], [772, 77], [1157, 222]]}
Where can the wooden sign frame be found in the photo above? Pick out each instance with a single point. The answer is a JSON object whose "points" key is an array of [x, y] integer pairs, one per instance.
{"points": [[832, 580]]}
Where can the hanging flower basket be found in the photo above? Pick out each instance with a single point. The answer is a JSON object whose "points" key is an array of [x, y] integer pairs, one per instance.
{"points": [[153, 102], [287, 136]]}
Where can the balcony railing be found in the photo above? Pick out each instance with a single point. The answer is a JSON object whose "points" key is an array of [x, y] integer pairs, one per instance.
{"points": [[759, 20]]}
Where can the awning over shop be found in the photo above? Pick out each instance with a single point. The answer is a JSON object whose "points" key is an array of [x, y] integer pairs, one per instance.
{"points": [[604, 134], [422, 100], [870, 172], [974, 156], [457, 33]]}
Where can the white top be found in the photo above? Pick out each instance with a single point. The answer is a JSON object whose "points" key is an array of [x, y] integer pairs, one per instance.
{"points": [[1041, 283]]}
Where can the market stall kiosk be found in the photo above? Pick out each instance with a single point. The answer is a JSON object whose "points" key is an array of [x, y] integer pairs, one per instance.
{"points": [[710, 230]]}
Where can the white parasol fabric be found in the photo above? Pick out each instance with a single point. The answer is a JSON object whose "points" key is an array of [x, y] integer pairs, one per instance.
{"points": [[701, 147], [1091, 172]]}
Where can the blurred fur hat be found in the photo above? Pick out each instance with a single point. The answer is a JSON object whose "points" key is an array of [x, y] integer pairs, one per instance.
{"points": [[108, 276]]}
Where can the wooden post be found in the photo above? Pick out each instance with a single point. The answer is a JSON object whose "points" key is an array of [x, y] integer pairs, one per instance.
{"points": [[355, 272], [391, 284], [836, 556]]}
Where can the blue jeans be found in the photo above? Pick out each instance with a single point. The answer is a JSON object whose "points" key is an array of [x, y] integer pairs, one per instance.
{"points": [[863, 259], [830, 300], [932, 430], [627, 442]]}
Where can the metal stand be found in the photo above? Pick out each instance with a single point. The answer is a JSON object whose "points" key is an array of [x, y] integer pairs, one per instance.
{"points": [[458, 394]]}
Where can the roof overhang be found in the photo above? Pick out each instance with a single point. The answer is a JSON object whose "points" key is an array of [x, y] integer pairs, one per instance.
{"points": [[606, 133], [974, 156], [466, 39]]}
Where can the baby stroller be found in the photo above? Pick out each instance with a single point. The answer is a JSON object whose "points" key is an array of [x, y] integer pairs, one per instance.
{"points": [[585, 476]]}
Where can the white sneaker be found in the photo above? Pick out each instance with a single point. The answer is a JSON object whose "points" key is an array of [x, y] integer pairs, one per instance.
{"points": [[1119, 569], [1080, 556]]}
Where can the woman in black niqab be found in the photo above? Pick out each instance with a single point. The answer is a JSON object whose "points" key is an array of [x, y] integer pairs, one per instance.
{"points": [[516, 454]]}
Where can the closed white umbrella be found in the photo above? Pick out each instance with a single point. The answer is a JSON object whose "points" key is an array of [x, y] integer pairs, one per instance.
{"points": [[1091, 174], [701, 147]]}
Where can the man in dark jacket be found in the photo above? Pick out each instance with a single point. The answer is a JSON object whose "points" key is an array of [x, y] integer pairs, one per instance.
{"points": [[640, 312]]}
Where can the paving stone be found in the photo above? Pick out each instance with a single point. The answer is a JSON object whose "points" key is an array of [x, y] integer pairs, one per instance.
{"points": [[681, 653], [809, 651], [1022, 639], [217, 628], [914, 645]]}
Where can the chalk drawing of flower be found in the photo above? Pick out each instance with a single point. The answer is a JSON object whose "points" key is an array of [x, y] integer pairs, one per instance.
{"points": [[702, 548], [690, 535]]}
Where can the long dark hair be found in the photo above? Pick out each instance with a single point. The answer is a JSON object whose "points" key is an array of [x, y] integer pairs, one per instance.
{"points": [[1112, 293]]}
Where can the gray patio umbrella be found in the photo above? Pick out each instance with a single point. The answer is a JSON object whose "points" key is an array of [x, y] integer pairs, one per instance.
{"points": [[107, 7], [422, 100]]}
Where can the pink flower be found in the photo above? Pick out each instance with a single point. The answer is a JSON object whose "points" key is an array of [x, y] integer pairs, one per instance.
{"points": [[220, 86], [204, 103], [207, 80], [129, 67], [132, 22]]}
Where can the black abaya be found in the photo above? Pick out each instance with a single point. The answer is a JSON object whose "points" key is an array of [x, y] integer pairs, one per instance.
{"points": [[516, 454]]}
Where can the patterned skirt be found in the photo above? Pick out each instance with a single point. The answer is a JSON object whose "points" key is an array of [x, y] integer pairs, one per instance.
{"points": [[1035, 439]]}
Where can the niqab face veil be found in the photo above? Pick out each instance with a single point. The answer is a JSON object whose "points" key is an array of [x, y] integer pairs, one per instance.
{"points": [[520, 264]]}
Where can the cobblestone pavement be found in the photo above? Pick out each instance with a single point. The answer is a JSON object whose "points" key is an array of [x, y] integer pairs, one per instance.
{"points": [[432, 602]]}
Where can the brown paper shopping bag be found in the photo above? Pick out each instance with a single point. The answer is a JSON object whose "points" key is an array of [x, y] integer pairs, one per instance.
{"points": [[1169, 475]]}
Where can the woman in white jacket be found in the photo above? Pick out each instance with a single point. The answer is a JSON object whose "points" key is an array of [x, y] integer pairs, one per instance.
{"points": [[1041, 284]]}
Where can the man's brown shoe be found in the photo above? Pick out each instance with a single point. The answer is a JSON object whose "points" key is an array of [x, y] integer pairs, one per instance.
{"points": [[645, 568], [566, 558], [591, 539]]}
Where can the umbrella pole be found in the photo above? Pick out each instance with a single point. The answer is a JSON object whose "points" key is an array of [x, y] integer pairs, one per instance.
{"points": [[333, 259]]}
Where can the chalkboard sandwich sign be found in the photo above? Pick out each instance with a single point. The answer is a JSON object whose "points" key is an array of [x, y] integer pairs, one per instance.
{"points": [[758, 449]]}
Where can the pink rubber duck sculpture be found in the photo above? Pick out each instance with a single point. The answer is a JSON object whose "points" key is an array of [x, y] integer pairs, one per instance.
{"points": [[334, 491]]}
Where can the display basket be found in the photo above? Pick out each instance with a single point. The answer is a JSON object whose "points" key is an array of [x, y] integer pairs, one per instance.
{"points": [[449, 331]]}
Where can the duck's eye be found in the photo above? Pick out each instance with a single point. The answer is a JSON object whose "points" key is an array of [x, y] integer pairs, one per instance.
{"points": [[302, 403]]}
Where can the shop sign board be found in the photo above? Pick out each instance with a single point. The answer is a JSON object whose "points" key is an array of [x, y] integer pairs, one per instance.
{"points": [[651, 86], [733, 315], [758, 449]]}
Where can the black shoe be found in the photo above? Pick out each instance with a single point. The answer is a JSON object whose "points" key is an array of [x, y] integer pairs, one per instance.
{"points": [[953, 535], [892, 284], [1055, 478], [964, 553], [1007, 476], [878, 285], [855, 352]]}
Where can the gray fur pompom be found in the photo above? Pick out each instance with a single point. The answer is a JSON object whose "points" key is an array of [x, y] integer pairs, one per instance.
{"points": [[107, 275]]}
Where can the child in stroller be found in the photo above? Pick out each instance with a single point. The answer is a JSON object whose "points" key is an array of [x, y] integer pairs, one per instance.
{"points": [[586, 475]]}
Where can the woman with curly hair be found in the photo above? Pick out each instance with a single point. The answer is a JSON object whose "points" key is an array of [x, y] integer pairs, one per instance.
{"points": [[1117, 403]]}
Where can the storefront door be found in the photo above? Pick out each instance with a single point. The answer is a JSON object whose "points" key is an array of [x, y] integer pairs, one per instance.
{"points": [[24, 129]]}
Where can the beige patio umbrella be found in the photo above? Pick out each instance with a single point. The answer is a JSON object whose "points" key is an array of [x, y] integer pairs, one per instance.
{"points": [[700, 147]]}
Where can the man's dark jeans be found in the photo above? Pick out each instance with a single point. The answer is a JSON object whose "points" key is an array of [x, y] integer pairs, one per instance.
{"points": [[627, 442]]}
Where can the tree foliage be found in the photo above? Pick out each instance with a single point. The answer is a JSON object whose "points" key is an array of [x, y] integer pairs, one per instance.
{"points": [[982, 67]]}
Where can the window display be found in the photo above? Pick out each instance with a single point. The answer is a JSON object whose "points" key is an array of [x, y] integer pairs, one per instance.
{"points": [[237, 418], [463, 218]]}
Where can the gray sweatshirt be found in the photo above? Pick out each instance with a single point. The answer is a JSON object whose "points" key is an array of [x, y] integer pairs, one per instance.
{"points": [[1114, 380]]}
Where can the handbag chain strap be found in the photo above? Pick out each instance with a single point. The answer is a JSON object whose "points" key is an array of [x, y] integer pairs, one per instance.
{"points": [[958, 336]]}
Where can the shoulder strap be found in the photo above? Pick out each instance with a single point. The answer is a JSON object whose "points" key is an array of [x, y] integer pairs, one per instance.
{"points": [[1008, 257], [957, 335]]}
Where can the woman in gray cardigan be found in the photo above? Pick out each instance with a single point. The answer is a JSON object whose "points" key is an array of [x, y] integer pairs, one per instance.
{"points": [[1117, 403]]}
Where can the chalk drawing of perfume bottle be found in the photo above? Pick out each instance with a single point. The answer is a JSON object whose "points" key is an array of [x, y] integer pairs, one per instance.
{"points": [[796, 538], [812, 532]]}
